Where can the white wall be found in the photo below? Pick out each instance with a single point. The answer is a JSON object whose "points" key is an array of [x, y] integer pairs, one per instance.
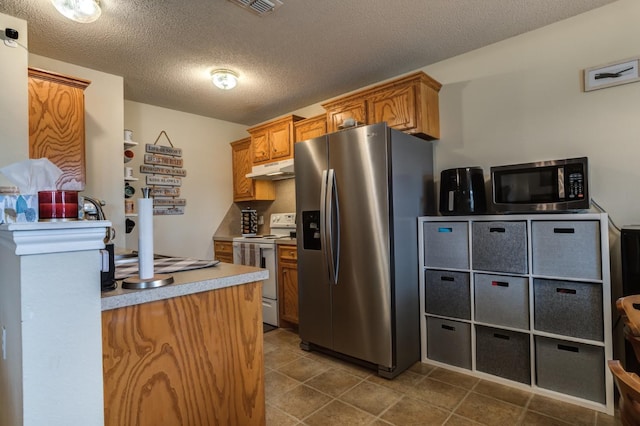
{"points": [[521, 100], [14, 111], [208, 186], [104, 125]]}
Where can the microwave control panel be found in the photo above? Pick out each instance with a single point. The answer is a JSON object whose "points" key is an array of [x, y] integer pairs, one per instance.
{"points": [[575, 181]]}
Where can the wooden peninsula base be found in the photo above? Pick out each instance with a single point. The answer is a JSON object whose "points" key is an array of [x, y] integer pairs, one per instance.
{"points": [[194, 360]]}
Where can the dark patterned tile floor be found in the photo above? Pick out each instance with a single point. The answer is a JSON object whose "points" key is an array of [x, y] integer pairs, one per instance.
{"points": [[309, 388]]}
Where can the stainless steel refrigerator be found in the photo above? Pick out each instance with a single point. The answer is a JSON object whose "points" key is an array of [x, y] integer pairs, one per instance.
{"points": [[359, 193]]}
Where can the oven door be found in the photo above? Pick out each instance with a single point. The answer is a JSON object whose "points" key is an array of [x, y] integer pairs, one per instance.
{"points": [[262, 256]]}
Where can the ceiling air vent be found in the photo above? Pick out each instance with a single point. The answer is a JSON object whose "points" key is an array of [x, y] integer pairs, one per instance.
{"points": [[259, 7]]}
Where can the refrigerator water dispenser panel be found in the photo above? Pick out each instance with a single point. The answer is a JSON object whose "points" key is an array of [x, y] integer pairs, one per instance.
{"points": [[311, 230]]}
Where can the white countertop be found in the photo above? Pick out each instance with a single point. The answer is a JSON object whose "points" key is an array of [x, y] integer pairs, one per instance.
{"points": [[187, 282]]}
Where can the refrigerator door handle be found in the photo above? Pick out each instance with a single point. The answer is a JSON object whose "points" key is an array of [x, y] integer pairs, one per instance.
{"points": [[323, 222], [334, 258]]}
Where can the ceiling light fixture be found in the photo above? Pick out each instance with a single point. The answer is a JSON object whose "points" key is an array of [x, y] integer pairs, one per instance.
{"points": [[83, 11], [224, 79]]}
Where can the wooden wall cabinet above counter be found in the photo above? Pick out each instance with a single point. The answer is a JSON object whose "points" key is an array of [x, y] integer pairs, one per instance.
{"points": [[246, 189], [56, 124], [310, 128], [409, 104], [273, 141]]}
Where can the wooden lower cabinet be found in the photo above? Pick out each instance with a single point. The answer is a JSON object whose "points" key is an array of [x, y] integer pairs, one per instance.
{"points": [[190, 360], [288, 284], [223, 250]]}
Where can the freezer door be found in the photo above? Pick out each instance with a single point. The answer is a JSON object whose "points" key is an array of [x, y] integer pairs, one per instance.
{"points": [[314, 291], [362, 296]]}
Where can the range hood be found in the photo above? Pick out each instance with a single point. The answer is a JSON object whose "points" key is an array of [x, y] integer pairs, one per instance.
{"points": [[273, 171]]}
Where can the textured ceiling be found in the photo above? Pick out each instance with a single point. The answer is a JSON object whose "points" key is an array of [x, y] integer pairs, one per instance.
{"points": [[305, 52]]}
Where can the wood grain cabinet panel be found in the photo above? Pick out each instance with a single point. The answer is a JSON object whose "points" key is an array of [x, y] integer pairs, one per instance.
{"points": [[246, 189], [288, 283], [223, 250], [191, 360], [273, 141], [310, 128], [56, 124], [409, 104]]}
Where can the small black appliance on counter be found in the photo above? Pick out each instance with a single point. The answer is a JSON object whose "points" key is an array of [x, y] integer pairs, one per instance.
{"points": [[462, 191]]}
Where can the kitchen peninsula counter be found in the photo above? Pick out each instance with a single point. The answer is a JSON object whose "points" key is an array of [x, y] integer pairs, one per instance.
{"points": [[187, 353], [186, 282]]}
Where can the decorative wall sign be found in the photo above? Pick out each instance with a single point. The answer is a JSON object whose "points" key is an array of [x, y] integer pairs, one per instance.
{"points": [[165, 192], [612, 74], [167, 181], [159, 149], [162, 160], [169, 211], [169, 202], [158, 170], [166, 162]]}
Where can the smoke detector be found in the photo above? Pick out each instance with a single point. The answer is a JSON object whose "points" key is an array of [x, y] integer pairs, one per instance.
{"points": [[259, 7]]}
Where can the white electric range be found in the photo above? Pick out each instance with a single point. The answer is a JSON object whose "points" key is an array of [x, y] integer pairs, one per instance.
{"points": [[260, 251]]}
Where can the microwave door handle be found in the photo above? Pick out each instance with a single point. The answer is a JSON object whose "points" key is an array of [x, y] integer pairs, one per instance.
{"points": [[561, 191], [323, 222]]}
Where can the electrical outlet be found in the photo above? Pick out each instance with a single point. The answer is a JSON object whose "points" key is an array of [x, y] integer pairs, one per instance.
{"points": [[4, 343], [260, 220]]}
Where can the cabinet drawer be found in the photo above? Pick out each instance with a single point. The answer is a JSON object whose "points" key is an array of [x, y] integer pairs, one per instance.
{"points": [[449, 342], [500, 246], [446, 245], [448, 294], [289, 253], [568, 308], [572, 368], [503, 353], [566, 249], [502, 300], [223, 247]]}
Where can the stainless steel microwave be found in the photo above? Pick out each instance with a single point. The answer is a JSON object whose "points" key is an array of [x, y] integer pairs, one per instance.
{"points": [[545, 186]]}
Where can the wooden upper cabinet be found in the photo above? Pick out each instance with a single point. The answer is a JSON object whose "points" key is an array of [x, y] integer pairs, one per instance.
{"points": [[273, 141], [409, 104], [246, 189], [350, 108], [310, 128], [56, 124]]}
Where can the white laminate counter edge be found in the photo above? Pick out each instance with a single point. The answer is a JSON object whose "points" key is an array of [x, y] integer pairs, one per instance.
{"points": [[187, 282]]}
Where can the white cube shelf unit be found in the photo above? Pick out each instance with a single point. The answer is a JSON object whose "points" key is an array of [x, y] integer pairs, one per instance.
{"points": [[523, 300]]}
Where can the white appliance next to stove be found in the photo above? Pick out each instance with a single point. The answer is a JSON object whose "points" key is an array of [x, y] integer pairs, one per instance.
{"points": [[260, 251]]}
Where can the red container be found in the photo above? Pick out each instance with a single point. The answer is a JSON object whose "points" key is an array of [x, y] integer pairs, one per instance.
{"points": [[57, 205]]}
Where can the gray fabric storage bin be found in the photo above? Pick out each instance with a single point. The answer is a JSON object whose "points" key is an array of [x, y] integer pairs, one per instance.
{"points": [[447, 293], [446, 245], [503, 353], [568, 308], [572, 368], [568, 249], [449, 342], [502, 300], [500, 246]]}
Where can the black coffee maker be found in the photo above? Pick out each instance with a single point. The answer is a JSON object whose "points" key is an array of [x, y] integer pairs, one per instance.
{"points": [[107, 276]]}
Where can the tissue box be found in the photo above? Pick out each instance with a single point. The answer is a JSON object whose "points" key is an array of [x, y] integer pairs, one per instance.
{"points": [[18, 208]]}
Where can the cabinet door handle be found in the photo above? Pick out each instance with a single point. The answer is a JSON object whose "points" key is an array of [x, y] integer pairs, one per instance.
{"points": [[500, 283], [565, 290], [448, 327], [569, 348], [564, 231], [497, 230], [501, 336], [444, 278], [445, 229]]}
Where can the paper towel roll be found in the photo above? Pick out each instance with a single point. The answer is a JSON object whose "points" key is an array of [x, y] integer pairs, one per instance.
{"points": [[145, 238]]}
